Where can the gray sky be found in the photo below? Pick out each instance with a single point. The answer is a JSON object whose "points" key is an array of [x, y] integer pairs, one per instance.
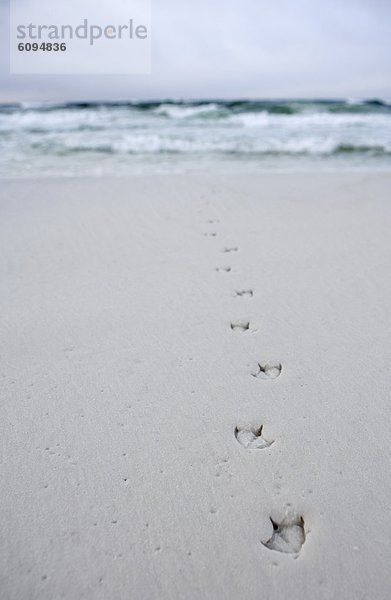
{"points": [[246, 48]]}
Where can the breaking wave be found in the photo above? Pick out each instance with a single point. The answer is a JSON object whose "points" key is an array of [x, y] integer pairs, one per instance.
{"points": [[64, 136]]}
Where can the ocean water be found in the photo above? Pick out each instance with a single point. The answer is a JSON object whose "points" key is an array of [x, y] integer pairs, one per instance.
{"points": [[126, 137]]}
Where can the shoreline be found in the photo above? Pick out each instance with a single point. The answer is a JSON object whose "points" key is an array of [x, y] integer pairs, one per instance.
{"points": [[217, 169]]}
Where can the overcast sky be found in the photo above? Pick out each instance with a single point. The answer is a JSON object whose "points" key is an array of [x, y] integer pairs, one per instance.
{"points": [[242, 48]]}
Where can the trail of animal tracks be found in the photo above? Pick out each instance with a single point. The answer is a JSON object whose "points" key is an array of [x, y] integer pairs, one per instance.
{"points": [[195, 387]]}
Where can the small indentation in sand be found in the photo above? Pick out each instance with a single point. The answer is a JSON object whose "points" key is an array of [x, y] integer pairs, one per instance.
{"points": [[240, 326], [230, 249], [250, 437], [288, 535], [210, 234], [68, 349], [244, 293], [270, 370], [225, 269]]}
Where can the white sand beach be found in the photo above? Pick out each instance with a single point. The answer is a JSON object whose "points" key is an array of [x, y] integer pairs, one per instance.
{"points": [[186, 359]]}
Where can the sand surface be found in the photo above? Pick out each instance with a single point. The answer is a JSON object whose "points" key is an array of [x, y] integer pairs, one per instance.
{"points": [[153, 420]]}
